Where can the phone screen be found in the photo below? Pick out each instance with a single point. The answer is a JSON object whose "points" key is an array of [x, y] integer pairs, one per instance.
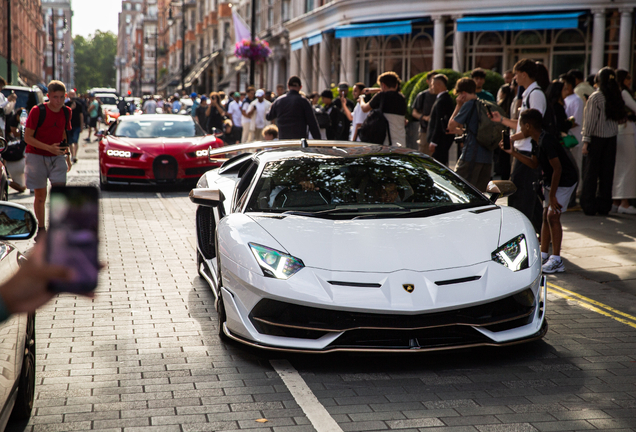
{"points": [[505, 135], [73, 236]]}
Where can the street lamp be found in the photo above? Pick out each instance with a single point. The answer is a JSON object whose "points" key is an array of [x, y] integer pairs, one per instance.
{"points": [[52, 31], [171, 21]]}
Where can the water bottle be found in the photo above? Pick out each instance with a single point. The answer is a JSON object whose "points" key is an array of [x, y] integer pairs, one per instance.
{"points": [[23, 121]]}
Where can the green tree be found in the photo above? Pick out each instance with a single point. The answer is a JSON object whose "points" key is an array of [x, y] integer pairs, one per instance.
{"points": [[95, 60]]}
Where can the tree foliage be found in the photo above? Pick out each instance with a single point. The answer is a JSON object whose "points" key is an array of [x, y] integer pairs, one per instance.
{"points": [[95, 60]]}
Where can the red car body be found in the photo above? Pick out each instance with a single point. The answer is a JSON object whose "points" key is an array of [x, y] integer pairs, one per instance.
{"points": [[154, 160]]}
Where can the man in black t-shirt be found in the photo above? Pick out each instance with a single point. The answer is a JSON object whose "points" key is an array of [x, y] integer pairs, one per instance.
{"points": [[392, 104], [77, 122], [559, 182], [199, 113]]}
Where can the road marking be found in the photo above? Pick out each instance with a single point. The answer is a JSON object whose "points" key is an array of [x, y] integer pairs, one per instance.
{"points": [[593, 305], [319, 417], [168, 206]]}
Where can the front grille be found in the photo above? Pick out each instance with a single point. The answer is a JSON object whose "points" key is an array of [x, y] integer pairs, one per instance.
{"points": [[205, 231], [277, 318], [126, 172], [197, 171], [439, 338], [165, 168]]}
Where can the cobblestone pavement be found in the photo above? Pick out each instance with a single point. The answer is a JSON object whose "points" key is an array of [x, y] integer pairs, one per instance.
{"points": [[144, 355]]}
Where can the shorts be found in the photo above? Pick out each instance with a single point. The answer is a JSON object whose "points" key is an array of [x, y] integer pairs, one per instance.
{"points": [[40, 168], [563, 195], [16, 170], [92, 122], [74, 135]]}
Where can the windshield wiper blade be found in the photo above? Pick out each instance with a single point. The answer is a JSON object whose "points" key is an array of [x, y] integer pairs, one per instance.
{"points": [[340, 210], [430, 211]]}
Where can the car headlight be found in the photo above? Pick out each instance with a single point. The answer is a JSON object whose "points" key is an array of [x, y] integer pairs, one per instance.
{"points": [[275, 264], [119, 153], [513, 254], [202, 153]]}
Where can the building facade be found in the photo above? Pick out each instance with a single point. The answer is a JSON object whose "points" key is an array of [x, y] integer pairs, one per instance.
{"points": [[27, 41], [130, 41], [59, 56], [357, 40]]}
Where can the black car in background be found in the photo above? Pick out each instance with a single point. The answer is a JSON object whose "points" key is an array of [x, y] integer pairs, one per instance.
{"points": [[28, 97]]}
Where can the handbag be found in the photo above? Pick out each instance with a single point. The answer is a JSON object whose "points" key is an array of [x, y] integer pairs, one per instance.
{"points": [[569, 141], [375, 127]]}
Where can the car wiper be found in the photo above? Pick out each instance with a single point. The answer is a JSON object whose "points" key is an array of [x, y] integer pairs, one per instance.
{"points": [[340, 210], [430, 211]]}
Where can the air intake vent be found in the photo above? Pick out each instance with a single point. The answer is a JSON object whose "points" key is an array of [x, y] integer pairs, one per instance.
{"points": [[456, 281]]}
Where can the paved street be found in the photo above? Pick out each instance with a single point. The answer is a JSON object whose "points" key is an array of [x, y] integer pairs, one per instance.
{"points": [[144, 355]]}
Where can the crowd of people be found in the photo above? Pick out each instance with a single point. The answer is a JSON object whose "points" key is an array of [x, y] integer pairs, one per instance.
{"points": [[573, 139]]}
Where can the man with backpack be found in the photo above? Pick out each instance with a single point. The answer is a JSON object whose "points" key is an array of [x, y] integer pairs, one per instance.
{"points": [[523, 176], [475, 162], [93, 115], [47, 156]]}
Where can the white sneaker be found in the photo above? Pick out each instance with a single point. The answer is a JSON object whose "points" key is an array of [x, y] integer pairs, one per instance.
{"points": [[553, 266], [545, 260], [627, 210], [614, 208]]}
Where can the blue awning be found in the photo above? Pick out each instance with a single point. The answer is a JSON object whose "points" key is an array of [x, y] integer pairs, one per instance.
{"points": [[314, 39], [296, 44], [519, 22], [374, 29]]}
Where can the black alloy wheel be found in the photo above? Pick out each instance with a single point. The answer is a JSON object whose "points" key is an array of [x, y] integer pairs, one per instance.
{"points": [[26, 384]]}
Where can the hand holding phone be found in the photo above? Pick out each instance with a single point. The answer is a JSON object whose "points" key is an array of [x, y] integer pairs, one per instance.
{"points": [[73, 239], [505, 136]]}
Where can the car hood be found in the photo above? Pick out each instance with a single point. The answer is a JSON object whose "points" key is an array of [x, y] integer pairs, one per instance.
{"points": [[152, 145], [456, 239]]}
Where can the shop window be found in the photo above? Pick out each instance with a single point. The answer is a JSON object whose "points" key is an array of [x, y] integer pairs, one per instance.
{"points": [[569, 52], [612, 34], [394, 56], [421, 56], [488, 51], [529, 38]]}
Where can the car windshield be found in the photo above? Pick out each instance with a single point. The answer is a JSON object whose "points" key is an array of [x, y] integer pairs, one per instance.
{"points": [[108, 100], [376, 185], [180, 127]]}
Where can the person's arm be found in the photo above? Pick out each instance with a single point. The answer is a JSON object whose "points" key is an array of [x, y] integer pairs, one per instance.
{"points": [[345, 108], [498, 118], [81, 121], [355, 132], [590, 117], [365, 107], [554, 185], [310, 117], [532, 162], [32, 141], [271, 114], [219, 108]]}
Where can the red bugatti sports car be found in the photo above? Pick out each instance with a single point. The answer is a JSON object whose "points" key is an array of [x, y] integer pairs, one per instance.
{"points": [[154, 148]]}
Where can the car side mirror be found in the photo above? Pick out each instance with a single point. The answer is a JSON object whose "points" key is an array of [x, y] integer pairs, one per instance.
{"points": [[500, 189], [3, 144], [16, 222], [207, 197]]}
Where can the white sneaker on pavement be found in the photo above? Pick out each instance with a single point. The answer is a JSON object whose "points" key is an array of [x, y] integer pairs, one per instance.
{"points": [[627, 210], [554, 265]]}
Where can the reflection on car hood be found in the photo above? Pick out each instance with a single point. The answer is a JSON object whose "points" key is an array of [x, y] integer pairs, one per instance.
{"points": [[158, 144], [449, 240]]}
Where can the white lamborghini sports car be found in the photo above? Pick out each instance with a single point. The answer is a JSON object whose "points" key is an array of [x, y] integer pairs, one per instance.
{"points": [[329, 246]]}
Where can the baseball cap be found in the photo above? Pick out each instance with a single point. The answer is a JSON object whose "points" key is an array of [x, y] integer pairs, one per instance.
{"points": [[260, 93], [193, 95], [204, 98], [236, 94], [343, 86]]}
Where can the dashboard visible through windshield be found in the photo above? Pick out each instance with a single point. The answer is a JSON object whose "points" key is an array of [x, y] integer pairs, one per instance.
{"points": [[370, 185]]}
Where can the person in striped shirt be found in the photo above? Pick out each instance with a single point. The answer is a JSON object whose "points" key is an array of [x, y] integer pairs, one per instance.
{"points": [[604, 110]]}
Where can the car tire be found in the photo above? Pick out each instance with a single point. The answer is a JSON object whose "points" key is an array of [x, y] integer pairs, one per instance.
{"points": [[26, 383]]}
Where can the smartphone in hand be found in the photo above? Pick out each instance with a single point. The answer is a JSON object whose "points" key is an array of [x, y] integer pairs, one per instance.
{"points": [[505, 136], [73, 237]]}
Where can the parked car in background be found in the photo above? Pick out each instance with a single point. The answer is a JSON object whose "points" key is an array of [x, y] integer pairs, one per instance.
{"points": [[28, 97], [154, 148], [109, 90], [109, 107], [17, 334]]}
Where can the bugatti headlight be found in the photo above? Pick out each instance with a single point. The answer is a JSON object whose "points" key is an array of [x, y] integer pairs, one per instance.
{"points": [[202, 153], [274, 263], [119, 153], [513, 254]]}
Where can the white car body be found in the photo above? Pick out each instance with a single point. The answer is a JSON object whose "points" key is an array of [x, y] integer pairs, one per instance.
{"points": [[367, 284]]}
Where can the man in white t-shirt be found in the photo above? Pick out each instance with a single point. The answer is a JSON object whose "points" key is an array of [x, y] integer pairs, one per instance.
{"points": [[574, 106], [150, 106], [358, 115], [234, 110], [259, 108], [525, 199], [246, 120]]}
